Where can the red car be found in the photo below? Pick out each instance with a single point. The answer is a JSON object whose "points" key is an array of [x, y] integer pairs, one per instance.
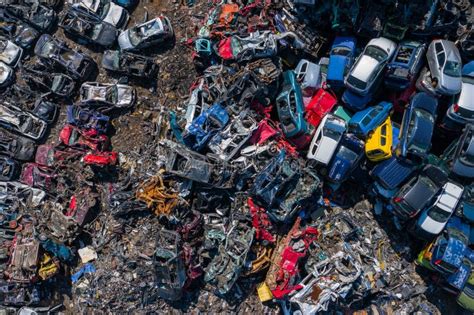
{"points": [[321, 104]]}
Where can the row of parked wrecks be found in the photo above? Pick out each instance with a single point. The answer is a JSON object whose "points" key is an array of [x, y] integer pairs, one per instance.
{"points": [[305, 172]]}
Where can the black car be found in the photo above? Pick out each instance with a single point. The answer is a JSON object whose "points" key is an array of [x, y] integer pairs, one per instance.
{"points": [[415, 195], [57, 54], [39, 78], [16, 147], [18, 32], [39, 16], [129, 64], [9, 168], [88, 28], [45, 110]]}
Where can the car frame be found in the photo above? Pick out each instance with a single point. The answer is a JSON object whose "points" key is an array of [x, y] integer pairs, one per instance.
{"points": [[134, 65], [139, 36], [10, 53], [114, 95], [106, 10], [58, 54], [10, 119]]}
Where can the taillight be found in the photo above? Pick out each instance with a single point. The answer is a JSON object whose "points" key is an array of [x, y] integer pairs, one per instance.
{"points": [[437, 262], [455, 108], [397, 199]]}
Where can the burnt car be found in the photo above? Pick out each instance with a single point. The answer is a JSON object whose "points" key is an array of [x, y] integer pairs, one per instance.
{"points": [[39, 78], [169, 266], [88, 28], [57, 54], [72, 136], [16, 147], [108, 94], [129, 64], [39, 16], [26, 124], [24, 261], [9, 168], [18, 32]]}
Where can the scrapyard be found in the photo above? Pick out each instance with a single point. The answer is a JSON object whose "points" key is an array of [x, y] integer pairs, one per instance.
{"points": [[252, 156]]}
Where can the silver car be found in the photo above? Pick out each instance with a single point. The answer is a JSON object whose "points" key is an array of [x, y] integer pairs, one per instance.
{"points": [[462, 109], [114, 95], [24, 123], [444, 62]]}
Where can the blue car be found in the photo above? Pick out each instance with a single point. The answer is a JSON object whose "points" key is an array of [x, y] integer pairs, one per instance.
{"points": [[205, 126], [341, 58], [448, 255], [363, 123], [348, 155], [290, 107], [355, 101], [405, 64], [417, 126], [87, 119]]}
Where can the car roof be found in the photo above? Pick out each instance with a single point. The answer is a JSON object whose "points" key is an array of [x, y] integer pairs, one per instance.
{"points": [[384, 43], [364, 68], [343, 41], [425, 101], [436, 174]]}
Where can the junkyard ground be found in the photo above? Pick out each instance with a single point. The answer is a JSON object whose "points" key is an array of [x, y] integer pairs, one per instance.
{"points": [[131, 134]]}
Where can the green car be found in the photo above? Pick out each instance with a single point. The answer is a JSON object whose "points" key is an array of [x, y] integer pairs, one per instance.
{"points": [[466, 297]]}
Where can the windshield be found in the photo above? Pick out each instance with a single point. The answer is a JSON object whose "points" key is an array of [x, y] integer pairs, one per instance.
{"points": [[452, 68], [439, 215], [358, 84], [341, 51], [376, 53], [347, 154]]}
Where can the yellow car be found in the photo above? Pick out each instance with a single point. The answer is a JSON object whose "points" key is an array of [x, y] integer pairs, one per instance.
{"points": [[379, 145]]}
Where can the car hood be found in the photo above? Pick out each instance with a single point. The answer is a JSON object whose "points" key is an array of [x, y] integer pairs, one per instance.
{"points": [[451, 84], [431, 226], [336, 67], [124, 40], [328, 146], [115, 15]]}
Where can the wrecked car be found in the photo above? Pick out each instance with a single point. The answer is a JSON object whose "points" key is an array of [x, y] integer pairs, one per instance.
{"points": [[108, 94], [7, 75], [39, 78], [145, 35], [16, 147], [39, 16], [107, 11], [87, 119], [129, 64], [347, 157], [14, 119], [18, 32], [90, 139], [88, 28], [10, 53], [405, 65], [56, 53], [9, 168]]}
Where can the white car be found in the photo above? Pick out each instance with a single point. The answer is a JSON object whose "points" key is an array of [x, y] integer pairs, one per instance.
{"points": [[326, 139], [114, 95], [6, 75], [308, 75], [10, 53], [106, 10], [433, 219], [147, 34], [368, 69]]}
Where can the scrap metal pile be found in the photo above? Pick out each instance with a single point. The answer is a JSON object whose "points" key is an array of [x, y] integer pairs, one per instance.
{"points": [[321, 147]]}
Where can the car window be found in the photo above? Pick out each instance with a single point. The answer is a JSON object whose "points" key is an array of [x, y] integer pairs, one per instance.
{"points": [[441, 58], [367, 119], [438, 47], [383, 130], [358, 84], [383, 140], [341, 51], [376, 53], [439, 215], [347, 154], [452, 68]]}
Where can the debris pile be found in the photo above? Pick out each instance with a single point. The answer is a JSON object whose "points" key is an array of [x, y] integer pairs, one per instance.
{"points": [[321, 160]]}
